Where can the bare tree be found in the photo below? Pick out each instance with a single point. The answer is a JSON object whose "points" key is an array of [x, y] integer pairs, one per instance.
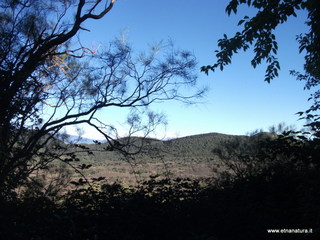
{"points": [[50, 81]]}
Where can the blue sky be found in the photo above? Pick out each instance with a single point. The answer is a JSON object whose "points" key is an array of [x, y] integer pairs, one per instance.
{"points": [[238, 101]]}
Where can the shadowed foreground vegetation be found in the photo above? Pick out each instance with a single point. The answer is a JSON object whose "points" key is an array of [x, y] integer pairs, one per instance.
{"points": [[274, 184]]}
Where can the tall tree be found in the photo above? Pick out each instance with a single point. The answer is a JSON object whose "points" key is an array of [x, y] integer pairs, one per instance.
{"points": [[48, 81], [258, 32]]}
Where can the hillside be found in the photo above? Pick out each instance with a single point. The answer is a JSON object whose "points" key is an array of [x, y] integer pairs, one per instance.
{"points": [[191, 156], [195, 146]]}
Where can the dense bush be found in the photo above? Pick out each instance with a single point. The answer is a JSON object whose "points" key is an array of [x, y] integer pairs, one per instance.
{"points": [[273, 184], [172, 209]]}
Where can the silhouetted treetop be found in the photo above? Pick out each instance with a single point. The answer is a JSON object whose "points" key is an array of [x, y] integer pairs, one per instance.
{"points": [[259, 32], [49, 80]]}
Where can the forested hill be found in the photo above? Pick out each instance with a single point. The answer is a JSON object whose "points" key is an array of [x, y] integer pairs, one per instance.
{"points": [[191, 147]]}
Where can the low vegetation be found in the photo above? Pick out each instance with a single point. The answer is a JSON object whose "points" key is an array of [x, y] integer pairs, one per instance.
{"points": [[261, 182]]}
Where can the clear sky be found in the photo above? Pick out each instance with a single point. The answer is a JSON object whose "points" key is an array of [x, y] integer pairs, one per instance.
{"points": [[238, 101]]}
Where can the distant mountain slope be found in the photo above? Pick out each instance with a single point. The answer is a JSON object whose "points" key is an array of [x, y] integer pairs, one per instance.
{"points": [[199, 145], [191, 156], [77, 139], [190, 147]]}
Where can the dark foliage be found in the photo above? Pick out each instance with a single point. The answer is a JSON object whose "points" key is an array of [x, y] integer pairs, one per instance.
{"points": [[282, 194], [258, 32], [270, 183]]}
